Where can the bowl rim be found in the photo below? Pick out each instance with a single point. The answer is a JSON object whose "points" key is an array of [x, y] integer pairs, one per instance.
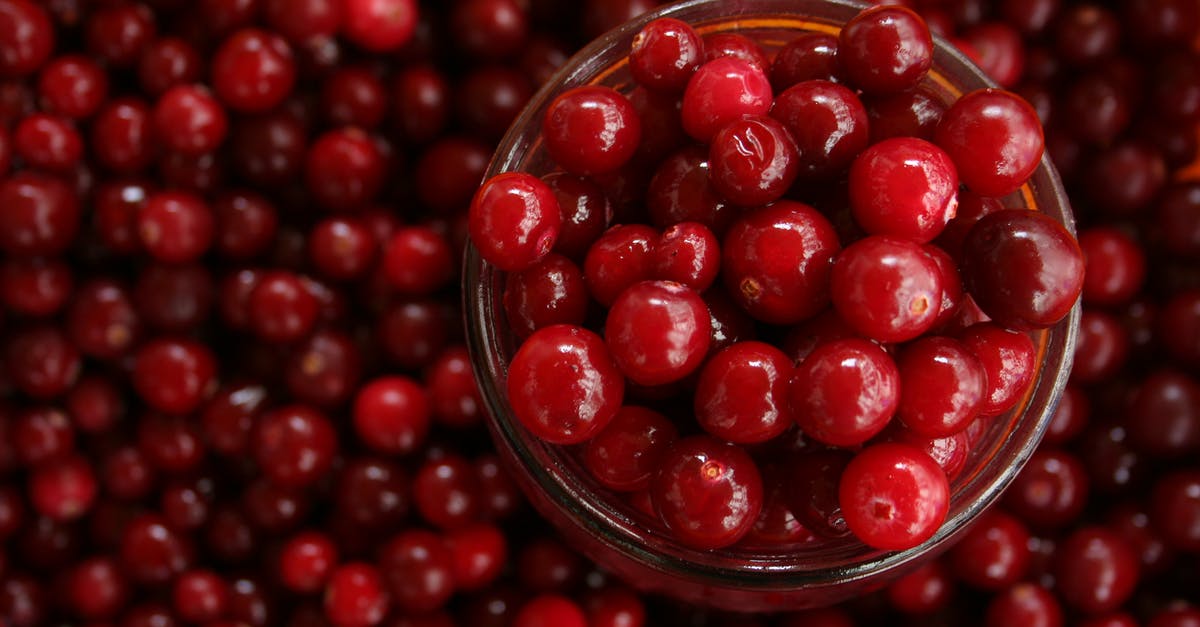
{"points": [[724, 567]]}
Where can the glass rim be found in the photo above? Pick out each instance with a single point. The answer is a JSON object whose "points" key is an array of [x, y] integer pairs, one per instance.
{"points": [[747, 568]]}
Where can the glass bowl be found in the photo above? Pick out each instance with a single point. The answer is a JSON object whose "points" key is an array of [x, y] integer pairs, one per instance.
{"points": [[619, 537]]}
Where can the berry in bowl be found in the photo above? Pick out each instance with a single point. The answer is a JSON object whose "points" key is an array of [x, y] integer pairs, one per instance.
{"points": [[768, 301]]}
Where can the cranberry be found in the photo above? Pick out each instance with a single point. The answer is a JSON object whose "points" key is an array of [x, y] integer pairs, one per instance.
{"points": [[175, 227], [780, 292], [994, 139], [40, 215], [844, 392], [622, 256], [1096, 570], [28, 36], [550, 610], [664, 55], [167, 62], [199, 596], [1175, 509], [306, 561], [119, 33], [1050, 491], [542, 407], [174, 376], [742, 393], [923, 591], [283, 308], [47, 142], [491, 28], [96, 589], [721, 91], [1024, 604], [372, 494], [893, 496], [418, 261], [418, 567], [657, 332], [514, 220], [446, 492], [294, 445], [810, 56], [63, 489], [253, 71], [625, 453], [356, 595], [887, 288], [151, 552], [36, 286], [760, 174], [591, 130], [828, 122], [885, 49], [905, 187], [479, 552], [1115, 266], [379, 25], [994, 554], [706, 492], [344, 169]]}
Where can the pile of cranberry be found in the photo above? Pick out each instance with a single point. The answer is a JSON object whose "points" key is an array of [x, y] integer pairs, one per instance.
{"points": [[234, 389], [891, 342]]}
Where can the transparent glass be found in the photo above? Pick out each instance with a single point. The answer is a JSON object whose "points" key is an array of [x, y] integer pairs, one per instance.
{"points": [[620, 538]]}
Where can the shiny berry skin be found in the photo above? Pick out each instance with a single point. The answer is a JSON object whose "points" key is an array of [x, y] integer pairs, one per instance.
{"points": [[418, 567], [447, 492], [721, 91], [379, 25], [39, 215], [1050, 491], [753, 161], [552, 291], [887, 288], [742, 393], [893, 496], [151, 552], [253, 71], [776, 262], [1024, 604], [687, 253], [342, 248], [624, 454], [944, 385], [845, 392], [591, 130], [680, 191], [557, 410], [41, 361], [585, 210], [199, 596], [1115, 266], [47, 142], [392, 414], [344, 169], [306, 561], [885, 49], [175, 227], [174, 376], [514, 220], [620, 257], [1095, 570], [707, 493], [189, 120], [167, 62], [28, 36], [294, 445], [994, 553], [1022, 268], [1008, 363], [808, 57], [549, 610], [905, 187], [913, 113], [664, 54], [828, 123], [657, 332], [418, 260], [1175, 509], [356, 596], [63, 489], [994, 139]]}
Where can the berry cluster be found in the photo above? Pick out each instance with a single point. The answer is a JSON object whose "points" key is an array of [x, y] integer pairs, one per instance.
{"points": [[233, 389], [826, 282]]}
